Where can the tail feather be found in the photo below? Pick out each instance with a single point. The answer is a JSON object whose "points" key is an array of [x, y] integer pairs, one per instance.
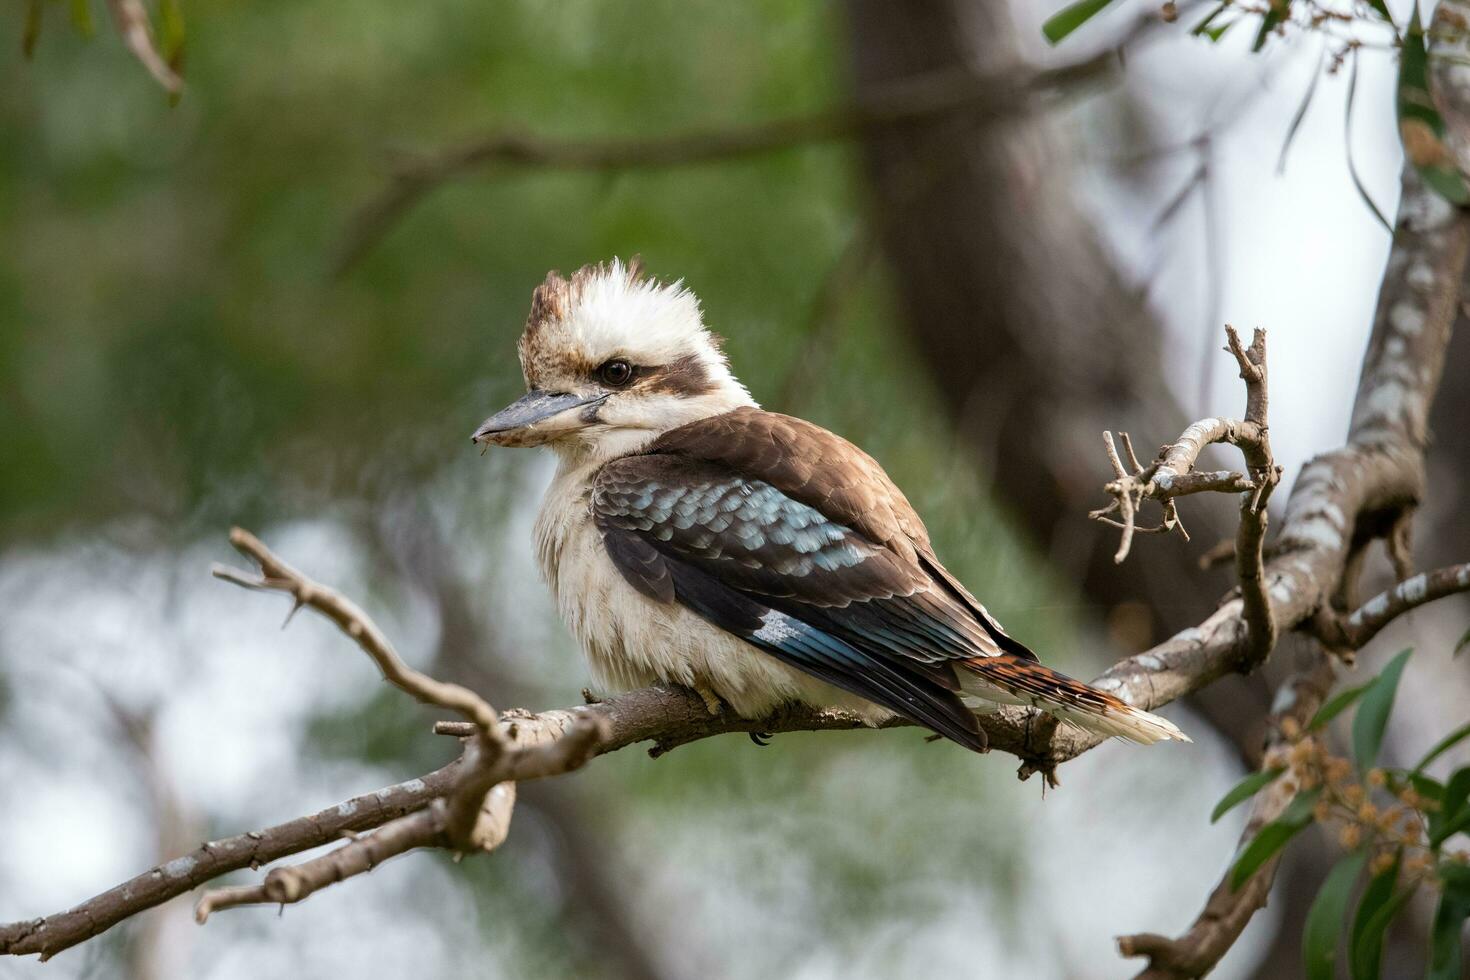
{"points": [[1014, 680]]}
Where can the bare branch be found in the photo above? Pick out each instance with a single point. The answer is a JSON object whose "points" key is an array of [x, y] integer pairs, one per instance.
{"points": [[287, 885], [1172, 475], [1228, 910], [1354, 631], [277, 576], [943, 93], [63, 930]]}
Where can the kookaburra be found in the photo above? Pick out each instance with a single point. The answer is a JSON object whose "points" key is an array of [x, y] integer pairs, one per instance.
{"points": [[691, 538]]}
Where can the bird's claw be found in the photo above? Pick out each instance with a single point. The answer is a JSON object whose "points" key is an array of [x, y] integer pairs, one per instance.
{"points": [[761, 738]]}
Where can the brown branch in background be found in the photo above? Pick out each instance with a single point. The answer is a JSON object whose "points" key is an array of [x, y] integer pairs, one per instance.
{"points": [[1002, 95], [460, 819], [1354, 631], [1228, 910], [131, 18], [157, 885]]}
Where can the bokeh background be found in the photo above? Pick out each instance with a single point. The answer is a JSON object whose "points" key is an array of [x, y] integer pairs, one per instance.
{"points": [[179, 354]]}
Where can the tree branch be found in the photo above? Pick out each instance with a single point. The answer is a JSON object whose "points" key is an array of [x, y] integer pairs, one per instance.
{"points": [[1228, 911], [938, 94], [1354, 631]]}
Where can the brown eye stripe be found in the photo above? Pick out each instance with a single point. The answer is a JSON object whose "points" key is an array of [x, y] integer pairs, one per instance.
{"points": [[686, 376]]}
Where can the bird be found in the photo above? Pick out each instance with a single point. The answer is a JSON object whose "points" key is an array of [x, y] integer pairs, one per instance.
{"points": [[691, 538]]}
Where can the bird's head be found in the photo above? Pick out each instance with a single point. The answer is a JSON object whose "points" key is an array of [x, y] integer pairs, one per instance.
{"points": [[612, 359]]}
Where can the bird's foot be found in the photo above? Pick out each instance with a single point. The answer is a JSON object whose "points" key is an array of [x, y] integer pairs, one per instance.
{"points": [[712, 702]]}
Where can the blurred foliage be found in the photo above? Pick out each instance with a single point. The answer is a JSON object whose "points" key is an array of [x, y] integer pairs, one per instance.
{"points": [[168, 338]]}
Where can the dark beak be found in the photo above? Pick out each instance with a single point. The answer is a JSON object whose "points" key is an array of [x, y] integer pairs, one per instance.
{"points": [[510, 425]]}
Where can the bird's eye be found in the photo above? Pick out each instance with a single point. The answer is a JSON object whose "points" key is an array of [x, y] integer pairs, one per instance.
{"points": [[615, 373]]}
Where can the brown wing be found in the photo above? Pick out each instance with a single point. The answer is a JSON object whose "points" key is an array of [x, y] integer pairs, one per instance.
{"points": [[826, 472]]}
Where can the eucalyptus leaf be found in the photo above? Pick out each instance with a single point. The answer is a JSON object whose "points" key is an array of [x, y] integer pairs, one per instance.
{"points": [[1421, 129], [1376, 910], [1347, 135], [1453, 814], [1273, 837], [1244, 790], [1445, 962], [1372, 717], [1276, 12], [1325, 918], [1071, 17], [1443, 745], [1339, 703]]}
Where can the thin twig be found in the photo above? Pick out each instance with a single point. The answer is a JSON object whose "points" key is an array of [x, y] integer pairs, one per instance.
{"points": [[277, 576], [1354, 631]]}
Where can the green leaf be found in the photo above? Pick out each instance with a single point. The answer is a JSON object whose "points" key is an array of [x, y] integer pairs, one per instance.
{"points": [[1301, 111], [1203, 28], [1325, 918], [1071, 17], [1347, 135], [1381, 9], [1444, 745], [1431, 789], [1376, 910], [1244, 790], [1340, 702], [1453, 815], [1273, 837], [1372, 719], [1464, 642], [1276, 12], [1449, 922], [81, 17], [1421, 129]]}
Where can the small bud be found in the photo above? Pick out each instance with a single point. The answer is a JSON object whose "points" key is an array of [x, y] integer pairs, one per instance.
{"points": [[1350, 836], [1290, 727], [1169, 13], [1376, 777], [1368, 813], [1381, 863], [1353, 794]]}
